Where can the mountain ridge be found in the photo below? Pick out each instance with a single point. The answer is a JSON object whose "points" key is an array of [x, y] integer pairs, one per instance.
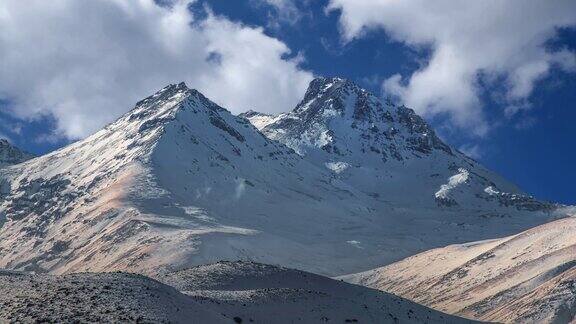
{"points": [[527, 277], [179, 181], [340, 126], [10, 154]]}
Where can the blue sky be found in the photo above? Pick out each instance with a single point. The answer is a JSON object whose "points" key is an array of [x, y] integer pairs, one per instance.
{"points": [[509, 103], [536, 151]]}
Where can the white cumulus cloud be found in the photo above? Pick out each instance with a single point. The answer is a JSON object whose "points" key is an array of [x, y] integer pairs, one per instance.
{"points": [[470, 41], [85, 62]]}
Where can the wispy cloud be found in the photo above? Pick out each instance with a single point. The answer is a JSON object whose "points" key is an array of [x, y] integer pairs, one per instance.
{"points": [[285, 11], [472, 150]]}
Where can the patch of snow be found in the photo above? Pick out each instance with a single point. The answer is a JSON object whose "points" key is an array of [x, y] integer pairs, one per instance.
{"points": [[453, 182], [491, 191], [354, 243], [337, 167]]}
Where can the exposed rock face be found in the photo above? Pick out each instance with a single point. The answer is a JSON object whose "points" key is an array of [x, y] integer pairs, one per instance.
{"points": [[339, 117], [386, 151], [10, 155]]}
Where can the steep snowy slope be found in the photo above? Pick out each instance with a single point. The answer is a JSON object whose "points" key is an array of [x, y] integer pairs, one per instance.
{"points": [[259, 120], [237, 292], [529, 277], [141, 192], [179, 181], [387, 151], [10, 154]]}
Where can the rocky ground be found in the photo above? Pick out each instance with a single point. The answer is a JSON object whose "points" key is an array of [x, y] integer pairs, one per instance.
{"points": [[225, 292]]}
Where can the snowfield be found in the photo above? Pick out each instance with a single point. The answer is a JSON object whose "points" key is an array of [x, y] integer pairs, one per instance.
{"points": [[525, 278], [226, 292]]}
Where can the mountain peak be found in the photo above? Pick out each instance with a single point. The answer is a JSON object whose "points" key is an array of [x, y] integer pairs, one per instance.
{"points": [[165, 93], [10, 154], [324, 81], [335, 110], [326, 89], [181, 86]]}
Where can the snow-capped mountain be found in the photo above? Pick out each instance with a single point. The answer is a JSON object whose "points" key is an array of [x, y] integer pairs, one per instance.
{"points": [[225, 292], [10, 154], [143, 191], [386, 151], [525, 278], [180, 181]]}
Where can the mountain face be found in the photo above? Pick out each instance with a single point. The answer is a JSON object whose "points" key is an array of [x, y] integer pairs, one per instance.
{"points": [[142, 191], [342, 184], [525, 278], [10, 154], [386, 151], [225, 292]]}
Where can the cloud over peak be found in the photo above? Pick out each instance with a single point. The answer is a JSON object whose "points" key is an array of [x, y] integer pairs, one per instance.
{"points": [[105, 55], [471, 41]]}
